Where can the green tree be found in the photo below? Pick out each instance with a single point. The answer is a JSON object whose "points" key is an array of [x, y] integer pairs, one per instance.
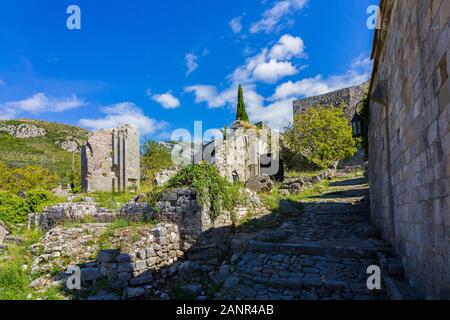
{"points": [[241, 113], [155, 157], [322, 135]]}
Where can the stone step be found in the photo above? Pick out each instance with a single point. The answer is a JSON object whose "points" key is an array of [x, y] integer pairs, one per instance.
{"points": [[313, 248]]}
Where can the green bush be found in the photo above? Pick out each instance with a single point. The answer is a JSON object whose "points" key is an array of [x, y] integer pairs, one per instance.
{"points": [[212, 189], [13, 209], [155, 158], [26, 178], [37, 199]]}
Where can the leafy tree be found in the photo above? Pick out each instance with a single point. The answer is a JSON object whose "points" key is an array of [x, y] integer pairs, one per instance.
{"points": [[241, 113], [155, 157], [322, 135]]}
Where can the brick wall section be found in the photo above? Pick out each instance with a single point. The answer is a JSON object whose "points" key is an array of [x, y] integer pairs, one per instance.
{"points": [[409, 152]]}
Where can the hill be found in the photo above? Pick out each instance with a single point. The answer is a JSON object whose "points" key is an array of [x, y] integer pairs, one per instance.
{"points": [[53, 145]]}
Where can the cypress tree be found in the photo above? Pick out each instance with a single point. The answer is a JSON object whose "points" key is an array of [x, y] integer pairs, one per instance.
{"points": [[241, 113]]}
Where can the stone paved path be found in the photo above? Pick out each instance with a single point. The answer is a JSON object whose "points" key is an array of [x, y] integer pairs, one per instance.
{"points": [[319, 248]]}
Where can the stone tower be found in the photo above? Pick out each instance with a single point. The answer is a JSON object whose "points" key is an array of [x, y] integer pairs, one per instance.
{"points": [[110, 160]]}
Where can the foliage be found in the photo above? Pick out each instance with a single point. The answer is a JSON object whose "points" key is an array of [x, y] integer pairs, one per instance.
{"points": [[44, 151], [111, 200], [241, 113], [37, 199], [15, 279], [322, 135], [364, 113], [155, 157], [13, 209], [212, 189], [26, 178]]}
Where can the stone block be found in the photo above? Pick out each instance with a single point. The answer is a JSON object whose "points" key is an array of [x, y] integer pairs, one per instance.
{"points": [[107, 256]]}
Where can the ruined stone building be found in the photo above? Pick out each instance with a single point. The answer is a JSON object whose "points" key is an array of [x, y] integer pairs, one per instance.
{"points": [[350, 97], [409, 139], [110, 160], [243, 154]]}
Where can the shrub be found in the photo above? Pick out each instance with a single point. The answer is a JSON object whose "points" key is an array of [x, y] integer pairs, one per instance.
{"points": [[212, 189], [37, 199], [13, 209], [26, 178], [155, 158]]}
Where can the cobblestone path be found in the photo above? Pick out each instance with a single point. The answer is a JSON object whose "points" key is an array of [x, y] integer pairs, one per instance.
{"points": [[319, 248]]}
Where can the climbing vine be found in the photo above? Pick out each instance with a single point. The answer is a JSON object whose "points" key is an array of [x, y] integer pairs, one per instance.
{"points": [[364, 113]]}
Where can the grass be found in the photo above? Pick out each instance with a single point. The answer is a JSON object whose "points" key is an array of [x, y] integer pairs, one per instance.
{"points": [[111, 200], [104, 240], [15, 272]]}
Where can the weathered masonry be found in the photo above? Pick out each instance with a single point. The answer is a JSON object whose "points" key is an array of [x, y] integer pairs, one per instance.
{"points": [[350, 97], [409, 137], [110, 160]]}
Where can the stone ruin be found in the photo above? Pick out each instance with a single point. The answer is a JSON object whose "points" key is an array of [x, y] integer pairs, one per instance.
{"points": [[350, 97], [243, 154], [110, 160]]}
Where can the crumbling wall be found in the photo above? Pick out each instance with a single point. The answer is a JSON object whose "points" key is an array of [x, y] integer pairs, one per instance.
{"points": [[350, 97], [181, 207], [110, 160]]}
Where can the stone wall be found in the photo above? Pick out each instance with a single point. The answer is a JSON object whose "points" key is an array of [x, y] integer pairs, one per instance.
{"points": [[134, 266], [409, 154], [144, 250], [110, 160], [84, 209], [181, 207], [349, 96]]}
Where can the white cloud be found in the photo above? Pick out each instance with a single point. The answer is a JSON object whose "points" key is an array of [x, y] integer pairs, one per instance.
{"points": [[277, 114], [287, 47], [123, 113], [210, 95], [167, 100], [191, 63], [40, 103], [271, 65], [272, 17], [358, 73], [236, 24], [273, 70]]}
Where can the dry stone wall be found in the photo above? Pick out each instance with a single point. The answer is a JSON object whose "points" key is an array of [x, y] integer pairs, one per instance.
{"points": [[181, 207]]}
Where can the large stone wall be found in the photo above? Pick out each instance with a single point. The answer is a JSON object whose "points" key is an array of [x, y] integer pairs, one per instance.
{"points": [[409, 154], [349, 96], [110, 160]]}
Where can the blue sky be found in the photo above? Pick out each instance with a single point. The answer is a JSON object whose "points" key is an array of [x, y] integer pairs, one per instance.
{"points": [[162, 65]]}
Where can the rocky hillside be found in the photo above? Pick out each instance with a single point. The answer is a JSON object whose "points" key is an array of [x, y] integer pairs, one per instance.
{"points": [[25, 142]]}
